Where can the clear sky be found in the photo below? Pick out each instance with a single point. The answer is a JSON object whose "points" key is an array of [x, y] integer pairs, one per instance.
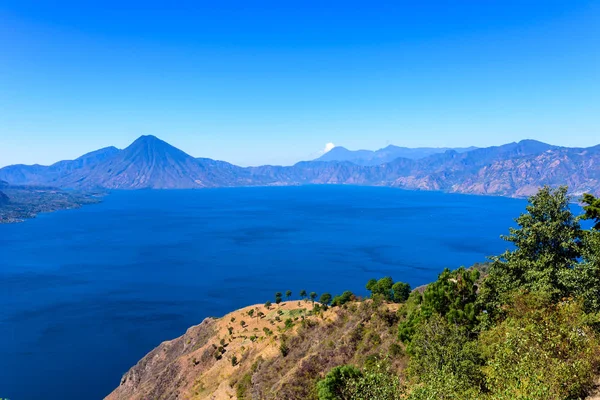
{"points": [[255, 82]]}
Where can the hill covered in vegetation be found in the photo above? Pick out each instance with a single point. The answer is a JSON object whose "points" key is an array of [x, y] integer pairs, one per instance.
{"points": [[523, 326], [19, 202]]}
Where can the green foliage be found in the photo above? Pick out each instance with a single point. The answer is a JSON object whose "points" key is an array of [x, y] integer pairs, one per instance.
{"points": [[268, 305], [278, 297], [386, 289], [338, 383], [586, 274], [453, 296], [371, 284], [592, 209], [288, 294], [546, 250], [234, 361], [325, 298], [541, 351], [303, 293], [313, 296], [382, 287], [243, 387], [444, 362], [400, 291], [376, 382], [342, 299]]}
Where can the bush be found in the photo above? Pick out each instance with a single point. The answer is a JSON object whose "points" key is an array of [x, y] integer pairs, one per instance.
{"points": [[376, 382], [284, 349], [444, 363], [541, 351]]}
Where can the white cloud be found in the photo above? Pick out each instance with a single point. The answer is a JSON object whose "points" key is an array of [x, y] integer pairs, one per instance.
{"points": [[328, 147]]}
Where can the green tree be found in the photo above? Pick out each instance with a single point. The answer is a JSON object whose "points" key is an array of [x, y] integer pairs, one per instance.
{"points": [[313, 296], [268, 305], [382, 287], [288, 294], [401, 291], [453, 296], [592, 209], [371, 284], [339, 383], [303, 293], [343, 298], [586, 273], [325, 299], [546, 249]]}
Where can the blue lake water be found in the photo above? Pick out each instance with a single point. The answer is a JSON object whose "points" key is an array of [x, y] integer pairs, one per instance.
{"points": [[86, 293]]}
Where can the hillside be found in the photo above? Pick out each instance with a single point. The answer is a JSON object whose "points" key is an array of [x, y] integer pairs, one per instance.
{"points": [[19, 202], [514, 169], [187, 367]]}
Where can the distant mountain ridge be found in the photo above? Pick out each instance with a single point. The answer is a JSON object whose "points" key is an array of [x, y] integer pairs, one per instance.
{"points": [[514, 169], [385, 155]]}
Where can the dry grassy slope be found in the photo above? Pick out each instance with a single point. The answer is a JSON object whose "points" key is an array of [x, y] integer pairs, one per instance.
{"points": [[186, 367]]}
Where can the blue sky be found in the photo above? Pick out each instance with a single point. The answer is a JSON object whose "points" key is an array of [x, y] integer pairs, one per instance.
{"points": [[274, 81]]}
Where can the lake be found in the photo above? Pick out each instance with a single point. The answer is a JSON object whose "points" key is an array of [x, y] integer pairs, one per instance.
{"points": [[88, 292]]}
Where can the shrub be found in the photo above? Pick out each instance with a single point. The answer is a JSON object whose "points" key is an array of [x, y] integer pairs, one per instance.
{"points": [[541, 350], [284, 349], [376, 382]]}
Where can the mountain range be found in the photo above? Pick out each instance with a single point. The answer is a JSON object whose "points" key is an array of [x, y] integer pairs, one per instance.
{"points": [[385, 155], [514, 169]]}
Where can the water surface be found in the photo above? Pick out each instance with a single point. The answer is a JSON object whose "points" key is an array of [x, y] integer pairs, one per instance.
{"points": [[86, 293]]}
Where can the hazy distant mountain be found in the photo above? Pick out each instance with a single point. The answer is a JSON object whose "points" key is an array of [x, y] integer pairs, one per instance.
{"points": [[385, 155], [50, 175], [514, 169]]}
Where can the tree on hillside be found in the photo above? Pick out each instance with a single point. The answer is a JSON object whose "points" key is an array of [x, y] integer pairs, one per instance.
{"points": [[343, 298], [592, 209], [586, 274], [453, 296], [339, 383], [268, 305], [278, 297], [546, 249], [325, 299], [401, 291], [288, 294], [382, 287], [313, 296], [303, 293], [371, 284]]}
